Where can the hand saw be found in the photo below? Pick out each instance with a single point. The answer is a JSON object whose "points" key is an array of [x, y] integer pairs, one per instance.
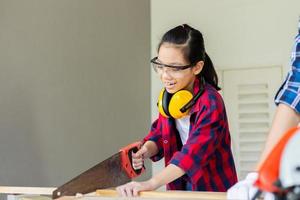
{"points": [[114, 171]]}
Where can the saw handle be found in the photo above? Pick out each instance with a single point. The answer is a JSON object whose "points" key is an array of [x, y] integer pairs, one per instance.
{"points": [[134, 150], [126, 159]]}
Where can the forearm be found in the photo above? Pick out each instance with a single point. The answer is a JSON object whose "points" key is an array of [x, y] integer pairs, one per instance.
{"points": [[167, 175], [152, 149], [284, 119]]}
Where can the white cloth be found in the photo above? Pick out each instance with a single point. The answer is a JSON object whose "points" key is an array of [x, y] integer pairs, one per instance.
{"points": [[183, 127], [245, 190]]}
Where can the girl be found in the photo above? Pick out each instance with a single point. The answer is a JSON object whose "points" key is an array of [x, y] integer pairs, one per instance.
{"points": [[194, 139]]}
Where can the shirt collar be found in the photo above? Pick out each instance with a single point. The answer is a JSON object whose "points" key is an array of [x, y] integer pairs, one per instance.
{"points": [[196, 88]]}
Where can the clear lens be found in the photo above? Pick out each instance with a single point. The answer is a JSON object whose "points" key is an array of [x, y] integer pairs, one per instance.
{"points": [[171, 70], [157, 68], [160, 69]]}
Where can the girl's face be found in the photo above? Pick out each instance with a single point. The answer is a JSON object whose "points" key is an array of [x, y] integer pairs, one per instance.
{"points": [[172, 78]]}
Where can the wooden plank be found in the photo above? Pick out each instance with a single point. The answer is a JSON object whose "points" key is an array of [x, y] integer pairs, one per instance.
{"points": [[28, 197], [112, 194], [169, 194], [26, 190]]}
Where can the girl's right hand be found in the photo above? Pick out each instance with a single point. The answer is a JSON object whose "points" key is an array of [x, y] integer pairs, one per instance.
{"points": [[138, 158]]}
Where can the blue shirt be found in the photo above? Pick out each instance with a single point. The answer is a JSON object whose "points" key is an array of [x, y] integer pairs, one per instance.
{"points": [[289, 92]]}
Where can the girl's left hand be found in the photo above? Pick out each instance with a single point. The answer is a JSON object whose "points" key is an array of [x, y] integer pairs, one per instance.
{"points": [[133, 188]]}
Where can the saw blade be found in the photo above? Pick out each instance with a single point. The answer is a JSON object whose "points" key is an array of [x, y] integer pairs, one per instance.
{"points": [[108, 173], [112, 172]]}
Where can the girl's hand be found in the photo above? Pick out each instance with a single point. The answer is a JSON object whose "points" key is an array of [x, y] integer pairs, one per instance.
{"points": [[133, 188], [138, 158]]}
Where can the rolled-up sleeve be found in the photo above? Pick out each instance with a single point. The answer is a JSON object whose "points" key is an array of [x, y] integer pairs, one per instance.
{"points": [[289, 92]]}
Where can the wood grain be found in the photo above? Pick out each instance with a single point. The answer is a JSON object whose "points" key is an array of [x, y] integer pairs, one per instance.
{"points": [[169, 194], [26, 190], [112, 194]]}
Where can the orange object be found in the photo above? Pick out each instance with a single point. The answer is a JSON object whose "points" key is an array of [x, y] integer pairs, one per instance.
{"points": [[126, 159], [268, 173]]}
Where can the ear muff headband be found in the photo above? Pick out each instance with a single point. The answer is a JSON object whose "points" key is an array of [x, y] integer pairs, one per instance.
{"points": [[192, 101], [179, 100], [195, 98], [170, 105], [177, 105]]}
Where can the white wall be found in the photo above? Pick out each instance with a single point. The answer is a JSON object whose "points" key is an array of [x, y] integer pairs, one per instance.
{"points": [[74, 85], [237, 33]]}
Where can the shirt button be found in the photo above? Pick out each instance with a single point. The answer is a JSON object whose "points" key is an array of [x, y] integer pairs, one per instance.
{"points": [[165, 141]]}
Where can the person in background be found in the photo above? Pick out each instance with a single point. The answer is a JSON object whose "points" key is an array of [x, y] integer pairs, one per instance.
{"points": [[287, 115], [193, 138]]}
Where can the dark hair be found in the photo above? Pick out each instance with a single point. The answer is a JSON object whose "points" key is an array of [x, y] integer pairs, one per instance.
{"points": [[192, 44]]}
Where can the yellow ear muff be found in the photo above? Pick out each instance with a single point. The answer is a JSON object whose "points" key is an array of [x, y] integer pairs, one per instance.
{"points": [[161, 103], [178, 100]]}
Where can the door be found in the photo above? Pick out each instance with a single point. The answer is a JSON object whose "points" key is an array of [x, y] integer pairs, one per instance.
{"points": [[249, 99]]}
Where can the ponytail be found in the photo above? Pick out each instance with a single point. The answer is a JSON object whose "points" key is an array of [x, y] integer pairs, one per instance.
{"points": [[209, 73]]}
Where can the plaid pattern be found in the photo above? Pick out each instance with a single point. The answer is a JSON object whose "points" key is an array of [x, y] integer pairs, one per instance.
{"points": [[206, 157], [289, 92]]}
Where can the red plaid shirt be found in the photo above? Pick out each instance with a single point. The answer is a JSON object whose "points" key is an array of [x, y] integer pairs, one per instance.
{"points": [[206, 157]]}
